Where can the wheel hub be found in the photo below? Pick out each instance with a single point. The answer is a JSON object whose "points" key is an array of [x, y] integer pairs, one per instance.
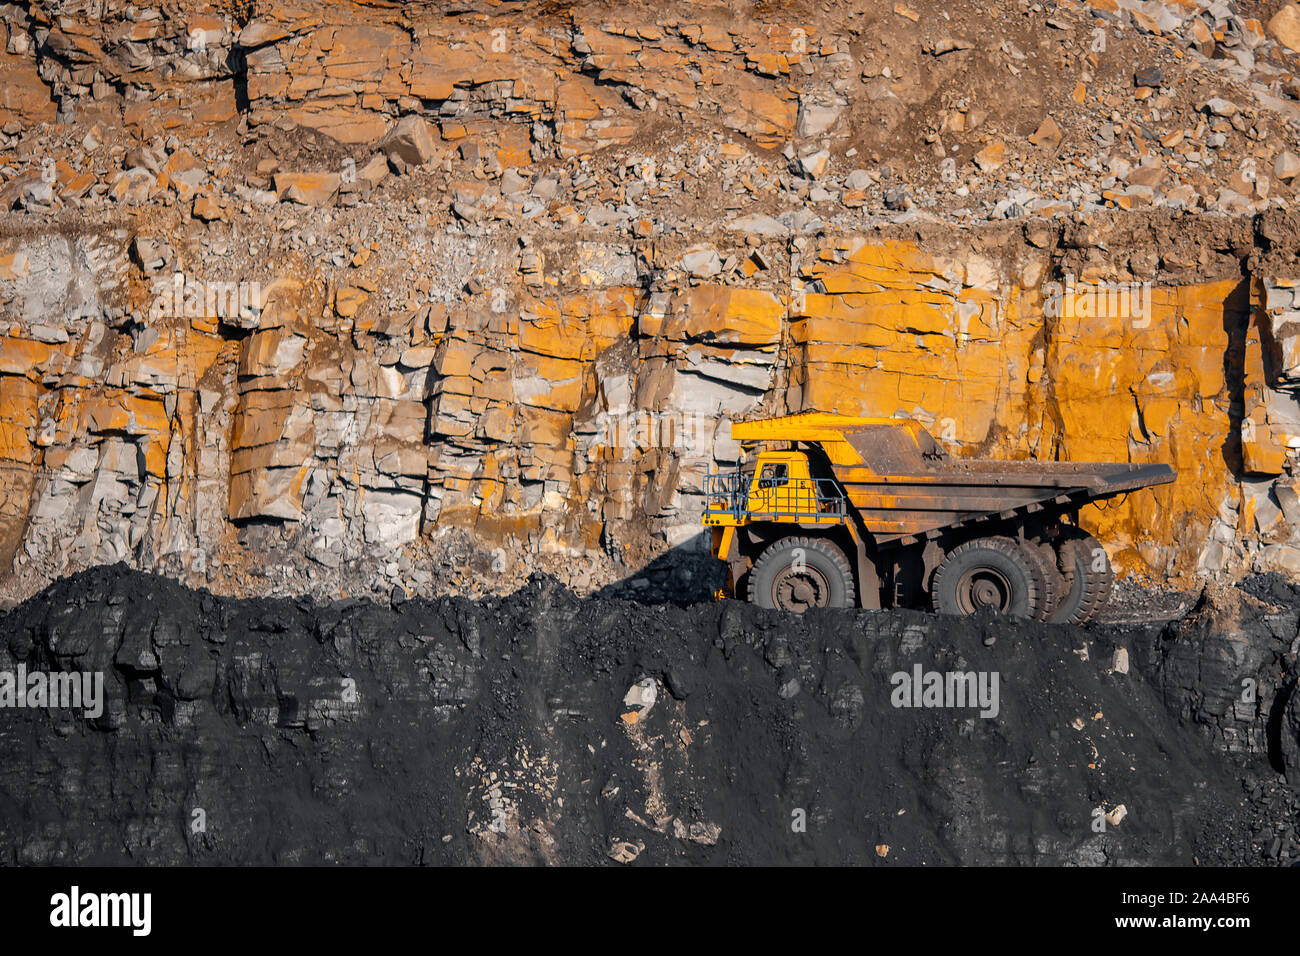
{"points": [[799, 590], [984, 588]]}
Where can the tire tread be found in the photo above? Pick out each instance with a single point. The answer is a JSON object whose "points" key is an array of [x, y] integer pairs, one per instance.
{"points": [[1009, 547], [1074, 552], [775, 551]]}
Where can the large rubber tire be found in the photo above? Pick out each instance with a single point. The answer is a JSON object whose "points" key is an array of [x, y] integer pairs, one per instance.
{"points": [[822, 577], [1051, 583], [993, 573], [1088, 578]]}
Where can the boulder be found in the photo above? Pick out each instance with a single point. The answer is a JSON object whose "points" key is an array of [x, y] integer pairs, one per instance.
{"points": [[410, 141]]}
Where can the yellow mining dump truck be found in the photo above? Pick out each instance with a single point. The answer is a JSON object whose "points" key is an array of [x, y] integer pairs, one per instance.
{"points": [[835, 511]]}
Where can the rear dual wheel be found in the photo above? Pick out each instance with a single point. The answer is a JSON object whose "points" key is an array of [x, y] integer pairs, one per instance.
{"points": [[994, 574], [1052, 584], [1068, 584], [1086, 576]]}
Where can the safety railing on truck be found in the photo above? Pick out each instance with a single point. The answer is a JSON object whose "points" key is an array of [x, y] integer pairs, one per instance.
{"points": [[796, 499]]}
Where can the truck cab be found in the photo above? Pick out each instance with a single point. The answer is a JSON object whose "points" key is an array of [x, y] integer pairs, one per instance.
{"points": [[772, 498], [780, 487], [783, 489]]}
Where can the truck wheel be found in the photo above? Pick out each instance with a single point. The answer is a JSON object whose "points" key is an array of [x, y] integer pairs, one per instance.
{"points": [[1088, 579], [1051, 582], [991, 573], [794, 574]]}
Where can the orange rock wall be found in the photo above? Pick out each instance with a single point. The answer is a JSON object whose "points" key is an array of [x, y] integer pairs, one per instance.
{"points": [[892, 331]]}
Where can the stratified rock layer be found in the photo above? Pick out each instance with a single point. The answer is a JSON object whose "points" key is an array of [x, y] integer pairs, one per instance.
{"points": [[574, 411]]}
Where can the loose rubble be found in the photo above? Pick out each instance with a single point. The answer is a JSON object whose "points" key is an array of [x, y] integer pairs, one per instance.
{"points": [[542, 728]]}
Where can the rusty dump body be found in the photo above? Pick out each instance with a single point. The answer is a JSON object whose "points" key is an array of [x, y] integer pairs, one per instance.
{"points": [[885, 490], [907, 486]]}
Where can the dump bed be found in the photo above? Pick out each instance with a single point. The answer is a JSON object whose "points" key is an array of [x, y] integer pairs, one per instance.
{"points": [[905, 486]]}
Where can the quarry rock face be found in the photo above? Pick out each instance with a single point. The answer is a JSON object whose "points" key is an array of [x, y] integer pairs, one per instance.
{"points": [[583, 413], [343, 298]]}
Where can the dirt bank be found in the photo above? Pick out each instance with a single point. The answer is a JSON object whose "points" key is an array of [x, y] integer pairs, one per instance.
{"points": [[451, 731]]}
